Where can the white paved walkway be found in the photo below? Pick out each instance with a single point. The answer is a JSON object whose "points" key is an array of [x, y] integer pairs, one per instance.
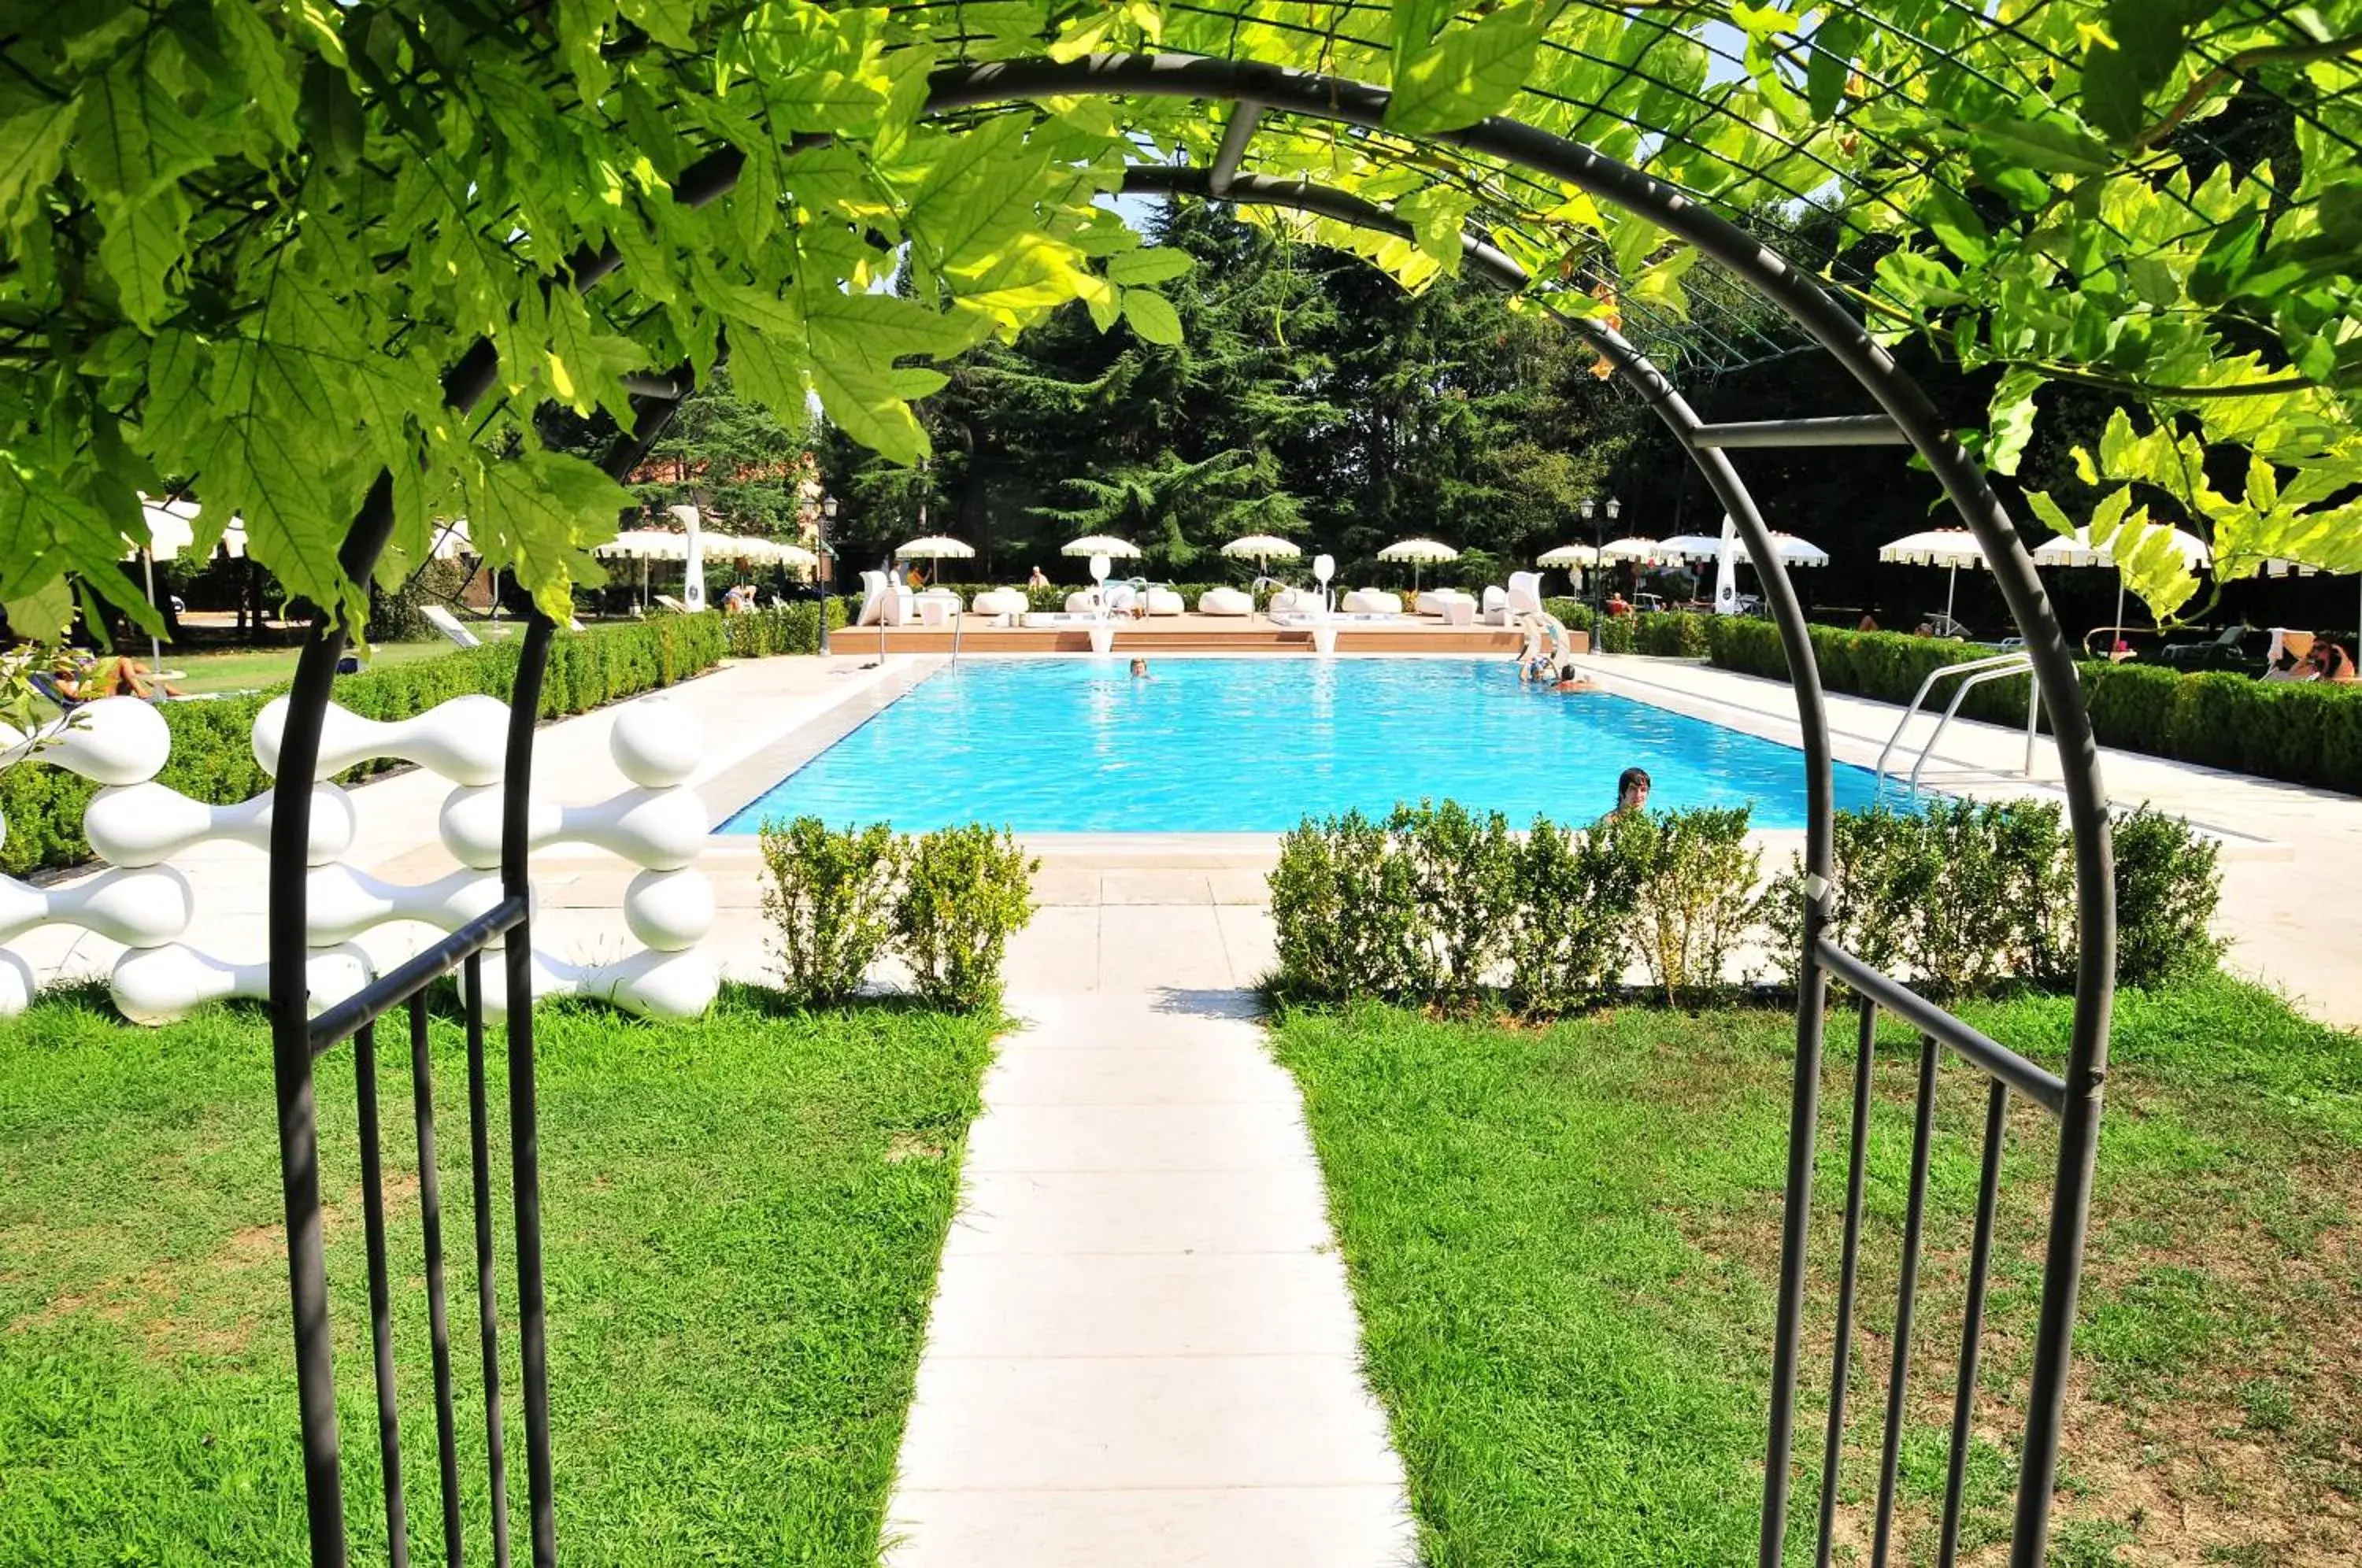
{"points": [[1143, 1352]]}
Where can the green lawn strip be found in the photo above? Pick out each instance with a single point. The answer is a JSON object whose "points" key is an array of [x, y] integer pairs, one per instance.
{"points": [[1564, 1242], [743, 1221], [252, 669]]}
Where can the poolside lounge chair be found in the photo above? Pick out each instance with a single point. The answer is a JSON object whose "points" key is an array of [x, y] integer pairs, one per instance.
{"points": [[667, 602], [1225, 602], [443, 621], [937, 607], [1372, 601], [1439, 602], [1001, 602], [1162, 601], [1295, 600], [1496, 610]]}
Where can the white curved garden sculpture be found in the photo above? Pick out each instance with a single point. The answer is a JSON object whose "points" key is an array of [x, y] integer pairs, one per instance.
{"points": [[136, 825]]}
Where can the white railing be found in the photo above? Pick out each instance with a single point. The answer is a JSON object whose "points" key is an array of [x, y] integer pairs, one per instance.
{"points": [[1976, 672]]}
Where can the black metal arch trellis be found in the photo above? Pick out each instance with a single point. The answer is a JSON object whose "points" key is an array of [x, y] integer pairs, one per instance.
{"points": [[2073, 1098]]}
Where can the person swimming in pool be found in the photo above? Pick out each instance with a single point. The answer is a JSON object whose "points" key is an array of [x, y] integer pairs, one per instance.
{"points": [[1140, 669], [1631, 792], [1570, 679]]}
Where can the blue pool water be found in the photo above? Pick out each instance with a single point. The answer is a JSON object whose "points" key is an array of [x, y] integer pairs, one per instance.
{"points": [[1252, 746]]}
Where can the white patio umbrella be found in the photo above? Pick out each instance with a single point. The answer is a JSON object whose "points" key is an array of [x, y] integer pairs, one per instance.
{"points": [[1102, 545], [1573, 559], [936, 548], [1949, 547], [1798, 552], [1645, 551], [2076, 549], [1419, 552], [743, 549], [1690, 547], [644, 544], [171, 530], [1262, 547]]}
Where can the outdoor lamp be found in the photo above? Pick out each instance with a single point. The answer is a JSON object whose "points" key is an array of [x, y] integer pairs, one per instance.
{"points": [[823, 578]]}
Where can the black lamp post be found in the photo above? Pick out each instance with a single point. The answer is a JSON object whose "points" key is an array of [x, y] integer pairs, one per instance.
{"points": [[1598, 543], [822, 574]]}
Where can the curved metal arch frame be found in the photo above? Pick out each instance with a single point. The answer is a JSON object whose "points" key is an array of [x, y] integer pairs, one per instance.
{"points": [[294, 1038], [1847, 341]]}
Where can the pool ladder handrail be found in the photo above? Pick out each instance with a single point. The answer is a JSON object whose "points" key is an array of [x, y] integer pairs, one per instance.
{"points": [[1976, 672]]}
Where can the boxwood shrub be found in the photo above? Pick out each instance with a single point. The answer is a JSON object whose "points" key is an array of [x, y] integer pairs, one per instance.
{"points": [[2302, 732], [213, 752], [1434, 905]]}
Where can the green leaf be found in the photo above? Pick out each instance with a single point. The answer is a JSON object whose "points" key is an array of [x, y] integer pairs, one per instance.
{"points": [[264, 67], [44, 612], [2144, 44], [2012, 415], [32, 150], [1659, 285], [1159, 264], [1435, 213], [1152, 315], [864, 403], [1467, 75], [2051, 146], [1956, 225], [2226, 259], [1832, 62], [139, 249], [538, 511], [2050, 512], [585, 364], [1105, 304]]}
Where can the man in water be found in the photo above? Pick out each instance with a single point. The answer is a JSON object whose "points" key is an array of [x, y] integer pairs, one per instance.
{"points": [[1570, 679], [1140, 669], [1631, 792]]}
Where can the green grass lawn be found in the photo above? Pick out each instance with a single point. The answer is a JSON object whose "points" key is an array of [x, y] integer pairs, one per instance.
{"points": [[251, 669], [1564, 1242], [743, 1219]]}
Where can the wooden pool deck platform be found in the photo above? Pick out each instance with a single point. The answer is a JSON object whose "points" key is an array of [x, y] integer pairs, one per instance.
{"points": [[1192, 634]]}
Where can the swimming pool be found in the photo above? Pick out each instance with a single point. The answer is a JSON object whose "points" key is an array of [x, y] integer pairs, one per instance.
{"points": [[1254, 745]]}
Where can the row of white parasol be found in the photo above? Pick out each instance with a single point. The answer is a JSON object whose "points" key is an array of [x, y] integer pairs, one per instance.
{"points": [[1953, 549]]}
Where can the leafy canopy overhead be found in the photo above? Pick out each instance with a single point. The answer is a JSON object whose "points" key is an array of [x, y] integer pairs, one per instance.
{"points": [[245, 238]]}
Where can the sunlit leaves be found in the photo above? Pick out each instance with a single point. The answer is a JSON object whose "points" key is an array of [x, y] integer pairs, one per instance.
{"points": [[257, 231], [1465, 74], [542, 511], [1152, 315], [1149, 265]]}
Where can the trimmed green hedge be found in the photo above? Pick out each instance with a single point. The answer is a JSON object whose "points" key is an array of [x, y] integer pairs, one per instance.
{"points": [[2301, 731], [787, 629], [1659, 634], [213, 750]]}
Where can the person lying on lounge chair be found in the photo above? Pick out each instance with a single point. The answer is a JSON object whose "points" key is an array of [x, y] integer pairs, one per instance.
{"points": [[83, 680]]}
